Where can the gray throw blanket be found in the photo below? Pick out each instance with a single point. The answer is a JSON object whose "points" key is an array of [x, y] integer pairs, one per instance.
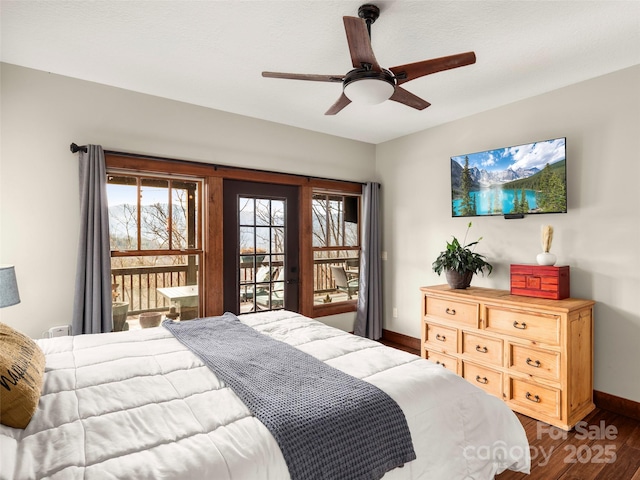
{"points": [[328, 424]]}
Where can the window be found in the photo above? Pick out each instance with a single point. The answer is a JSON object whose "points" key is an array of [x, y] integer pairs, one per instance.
{"points": [[169, 228], [336, 247], [155, 234]]}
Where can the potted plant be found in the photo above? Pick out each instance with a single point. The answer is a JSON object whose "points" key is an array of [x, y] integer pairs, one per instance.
{"points": [[119, 310], [460, 262]]}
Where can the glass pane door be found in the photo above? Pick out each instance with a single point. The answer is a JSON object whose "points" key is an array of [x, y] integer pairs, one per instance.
{"points": [[262, 256], [261, 247]]}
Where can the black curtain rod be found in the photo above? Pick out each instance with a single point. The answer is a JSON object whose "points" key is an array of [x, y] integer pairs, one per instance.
{"points": [[77, 148]]}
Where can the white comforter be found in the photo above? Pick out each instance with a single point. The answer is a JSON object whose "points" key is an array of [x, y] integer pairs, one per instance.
{"points": [[139, 405]]}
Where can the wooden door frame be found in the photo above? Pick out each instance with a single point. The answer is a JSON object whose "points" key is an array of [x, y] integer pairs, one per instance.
{"points": [[232, 189]]}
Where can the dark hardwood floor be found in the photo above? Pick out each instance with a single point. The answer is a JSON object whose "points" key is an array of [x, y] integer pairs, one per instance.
{"points": [[604, 446]]}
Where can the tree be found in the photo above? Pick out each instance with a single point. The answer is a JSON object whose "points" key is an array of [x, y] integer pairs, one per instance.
{"points": [[123, 227], [520, 202], [269, 214], [497, 202], [467, 206], [155, 230], [524, 203], [329, 227], [552, 194], [516, 202]]}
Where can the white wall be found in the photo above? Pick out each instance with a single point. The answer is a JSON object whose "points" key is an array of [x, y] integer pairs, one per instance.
{"points": [[599, 237], [39, 207]]}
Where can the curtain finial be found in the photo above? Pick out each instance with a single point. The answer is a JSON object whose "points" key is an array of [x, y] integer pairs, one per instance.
{"points": [[76, 148]]}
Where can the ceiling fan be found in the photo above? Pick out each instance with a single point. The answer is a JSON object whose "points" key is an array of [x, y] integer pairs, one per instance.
{"points": [[368, 82]]}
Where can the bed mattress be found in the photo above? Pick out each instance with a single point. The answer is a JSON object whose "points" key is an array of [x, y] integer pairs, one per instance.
{"points": [[138, 404]]}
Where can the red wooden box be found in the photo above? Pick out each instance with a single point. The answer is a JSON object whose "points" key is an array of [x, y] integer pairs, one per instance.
{"points": [[540, 281]]}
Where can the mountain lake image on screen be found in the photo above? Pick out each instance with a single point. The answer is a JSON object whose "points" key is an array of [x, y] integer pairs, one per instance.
{"points": [[524, 179]]}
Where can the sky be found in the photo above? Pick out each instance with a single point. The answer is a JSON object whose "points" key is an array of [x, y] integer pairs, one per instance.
{"points": [[532, 155], [121, 194]]}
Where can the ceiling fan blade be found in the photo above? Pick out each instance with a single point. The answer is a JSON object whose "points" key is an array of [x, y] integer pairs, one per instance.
{"points": [[342, 102], [360, 43], [410, 71], [304, 76], [404, 96]]}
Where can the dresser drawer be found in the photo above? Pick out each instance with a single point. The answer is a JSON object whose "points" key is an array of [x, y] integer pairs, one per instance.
{"points": [[486, 378], [482, 348], [537, 327], [447, 361], [536, 398], [454, 310], [533, 361], [443, 338]]}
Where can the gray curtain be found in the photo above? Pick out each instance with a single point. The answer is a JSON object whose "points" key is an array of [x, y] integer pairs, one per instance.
{"points": [[369, 310], [92, 303]]}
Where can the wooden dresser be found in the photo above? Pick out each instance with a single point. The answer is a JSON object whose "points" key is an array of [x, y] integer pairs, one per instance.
{"points": [[535, 354]]}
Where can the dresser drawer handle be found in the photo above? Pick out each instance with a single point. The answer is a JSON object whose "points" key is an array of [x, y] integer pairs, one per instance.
{"points": [[483, 380], [450, 311], [521, 326], [481, 349], [533, 398], [438, 362], [536, 364], [441, 338]]}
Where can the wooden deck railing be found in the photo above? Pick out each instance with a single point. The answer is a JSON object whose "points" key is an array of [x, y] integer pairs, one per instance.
{"points": [[138, 285]]}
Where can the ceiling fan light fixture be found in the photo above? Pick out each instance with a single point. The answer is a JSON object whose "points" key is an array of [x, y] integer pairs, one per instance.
{"points": [[369, 91], [369, 87]]}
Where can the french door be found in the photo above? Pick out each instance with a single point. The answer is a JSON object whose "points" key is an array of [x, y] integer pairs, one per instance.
{"points": [[261, 246]]}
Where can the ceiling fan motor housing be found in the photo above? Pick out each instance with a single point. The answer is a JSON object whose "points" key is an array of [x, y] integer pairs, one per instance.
{"points": [[368, 87]]}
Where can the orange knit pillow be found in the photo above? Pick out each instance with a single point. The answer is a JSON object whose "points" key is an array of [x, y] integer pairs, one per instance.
{"points": [[21, 376]]}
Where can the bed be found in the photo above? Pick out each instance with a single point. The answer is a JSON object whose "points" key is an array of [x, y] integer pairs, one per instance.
{"points": [[139, 404]]}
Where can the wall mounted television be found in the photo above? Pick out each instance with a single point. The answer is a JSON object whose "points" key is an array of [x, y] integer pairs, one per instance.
{"points": [[523, 179]]}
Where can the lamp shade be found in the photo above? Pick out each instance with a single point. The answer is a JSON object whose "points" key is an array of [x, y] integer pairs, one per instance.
{"points": [[368, 91], [8, 286]]}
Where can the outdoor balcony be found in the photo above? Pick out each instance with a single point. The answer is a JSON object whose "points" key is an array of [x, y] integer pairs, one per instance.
{"points": [[139, 289]]}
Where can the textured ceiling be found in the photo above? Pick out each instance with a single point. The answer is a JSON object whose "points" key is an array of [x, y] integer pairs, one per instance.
{"points": [[212, 53]]}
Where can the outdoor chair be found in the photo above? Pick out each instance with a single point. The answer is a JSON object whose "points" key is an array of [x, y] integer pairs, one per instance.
{"points": [[352, 267], [343, 284], [277, 293], [263, 275]]}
